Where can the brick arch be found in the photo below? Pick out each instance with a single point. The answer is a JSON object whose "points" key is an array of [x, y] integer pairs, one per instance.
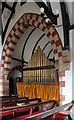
{"points": [[26, 20]]}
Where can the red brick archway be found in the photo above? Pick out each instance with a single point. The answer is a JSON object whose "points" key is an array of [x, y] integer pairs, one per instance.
{"points": [[28, 19]]}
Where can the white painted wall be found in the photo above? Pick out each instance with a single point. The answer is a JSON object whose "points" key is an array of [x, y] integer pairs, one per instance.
{"points": [[72, 48]]}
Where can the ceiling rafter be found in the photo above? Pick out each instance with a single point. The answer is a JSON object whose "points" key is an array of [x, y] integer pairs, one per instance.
{"points": [[45, 46], [1, 19], [37, 43], [66, 24], [49, 53], [5, 5], [26, 42], [9, 19], [16, 59], [22, 3]]}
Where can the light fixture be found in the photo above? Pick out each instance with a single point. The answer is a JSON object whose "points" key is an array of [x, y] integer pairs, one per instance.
{"points": [[57, 12], [47, 20], [42, 10]]}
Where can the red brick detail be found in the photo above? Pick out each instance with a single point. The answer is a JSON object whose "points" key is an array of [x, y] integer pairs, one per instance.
{"points": [[6, 43], [48, 34], [37, 17], [52, 42], [54, 33], [4, 50], [10, 35], [43, 28], [61, 74], [38, 24], [56, 61], [60, 54], [16, 36], [62, 97], [7, 62], [33, 22], [31, 16], [23, 24], [55, 51], [42, 21], [58, 43], [4, 83], [10, 56], [14, 29], [5, 92], [2, 65], [6, 69], [1, 77], [49, 26], [10, 48], [61, 83], [13, 42], [20, 31], [18, 23], [3, 57]]}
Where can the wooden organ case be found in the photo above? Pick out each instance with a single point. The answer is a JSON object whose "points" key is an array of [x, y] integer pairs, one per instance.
{"points": [[39, 79]]}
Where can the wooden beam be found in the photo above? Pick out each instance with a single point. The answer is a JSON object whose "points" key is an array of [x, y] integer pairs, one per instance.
{"points": [[19, 60], [66, 24], [1, 27], [49, 53], [45, 46], [9, 19], [37, 43], [22, 2], [27, 41], [4, 4], [71, 27], [39, 68]]}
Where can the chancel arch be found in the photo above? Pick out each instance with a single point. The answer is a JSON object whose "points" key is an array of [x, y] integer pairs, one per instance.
{"points": [[28, 19]]}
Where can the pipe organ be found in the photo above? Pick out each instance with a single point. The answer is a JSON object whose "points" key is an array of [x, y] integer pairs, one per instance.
{"points": [[39, 76], [37, 82]]}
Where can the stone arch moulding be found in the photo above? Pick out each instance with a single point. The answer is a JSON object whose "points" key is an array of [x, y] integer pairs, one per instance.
{"points": [[26, 20]]}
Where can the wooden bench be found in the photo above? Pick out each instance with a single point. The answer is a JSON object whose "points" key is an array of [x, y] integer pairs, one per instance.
{"points": [[53, 113], [12, 101], [15, 102], [13, 110]]}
